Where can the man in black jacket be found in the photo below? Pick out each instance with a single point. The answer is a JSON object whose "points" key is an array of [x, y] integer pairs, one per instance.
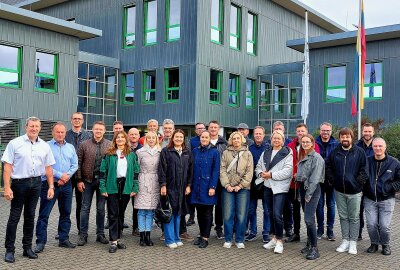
{"points": [[379, 200]]}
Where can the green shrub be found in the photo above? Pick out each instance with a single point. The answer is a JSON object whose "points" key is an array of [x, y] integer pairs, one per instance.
{"points": [[391, 134]]}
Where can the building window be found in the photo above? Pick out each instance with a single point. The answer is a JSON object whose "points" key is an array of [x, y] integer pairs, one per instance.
{"points": [[265, 96], [150, 22], [373, 83], [217, 21], [278, 99], [235, 29], [335, 84], [129, 26], [128, 89], [215, 86], [10, 66], [173, 11], [46, 72], [293, 101], [250, 93], [251, 33], [149, 87], [233, 98], [172, 84]]}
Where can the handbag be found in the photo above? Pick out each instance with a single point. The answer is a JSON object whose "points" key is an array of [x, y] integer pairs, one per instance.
{"points": [[163, 213]]}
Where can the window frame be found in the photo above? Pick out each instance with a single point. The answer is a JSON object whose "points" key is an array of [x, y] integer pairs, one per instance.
{"points": [[367, 85], [220, 27], [145, 30], [166, 82], [17, 71], [278, 89], [238, 28], [45, 75], [124, 89], [219, 84], [267, 98], [168, 26], [252, 96], [237, 91], [327, 87], [292, 101], [255, 35], [145, 90], [125, 27]]}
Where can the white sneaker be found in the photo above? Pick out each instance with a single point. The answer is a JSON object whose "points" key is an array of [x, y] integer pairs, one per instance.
{"points": [[270, 245], [278, 248], [173, 245], [344, 246], [227, 245], [179, 244], [353, 247], [240, 245]]}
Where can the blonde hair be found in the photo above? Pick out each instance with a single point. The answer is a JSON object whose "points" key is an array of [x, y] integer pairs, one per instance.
{"points": [[243, 140], [152, 133], [280, 133]]}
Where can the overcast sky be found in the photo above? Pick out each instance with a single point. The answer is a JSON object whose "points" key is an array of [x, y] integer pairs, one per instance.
{"points": [[345, 12]]}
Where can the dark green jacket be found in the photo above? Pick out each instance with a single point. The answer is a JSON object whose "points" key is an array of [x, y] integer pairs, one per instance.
{"points": [[108, 174]]}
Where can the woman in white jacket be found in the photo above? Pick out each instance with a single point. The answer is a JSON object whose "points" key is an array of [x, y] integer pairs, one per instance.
{"points": [[275, 169]]}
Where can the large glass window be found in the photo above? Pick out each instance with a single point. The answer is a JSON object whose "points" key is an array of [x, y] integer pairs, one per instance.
{"points": [[128, 88], [335, 84], [293, 101], [173, 12], [373, 83], [150, 22], [250, 93], [235, 29], [129, 26], [215, 86], [10, 66], [217, 21], [46, 72], [251, 33], [265, 96], [149, 87], [278, 99], [233, 90], [172, 84]]}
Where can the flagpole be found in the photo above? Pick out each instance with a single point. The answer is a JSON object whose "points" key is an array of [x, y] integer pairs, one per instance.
{"points": [[359, 75], [306, 79]]}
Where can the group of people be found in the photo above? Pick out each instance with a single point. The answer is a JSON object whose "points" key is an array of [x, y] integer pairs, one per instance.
{"points": [[219, 180]]}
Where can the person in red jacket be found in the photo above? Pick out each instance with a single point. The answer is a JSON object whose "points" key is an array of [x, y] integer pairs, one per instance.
{"points": [[301, 130]]}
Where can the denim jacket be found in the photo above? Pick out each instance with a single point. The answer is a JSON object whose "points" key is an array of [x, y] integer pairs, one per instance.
{"points": [[311, 172]]}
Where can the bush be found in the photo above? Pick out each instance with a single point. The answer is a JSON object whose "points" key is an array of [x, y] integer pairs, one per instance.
{"points": [[391, 134]]}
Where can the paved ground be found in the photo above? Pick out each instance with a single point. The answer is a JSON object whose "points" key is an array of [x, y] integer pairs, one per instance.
{"points": [[96, 256]]}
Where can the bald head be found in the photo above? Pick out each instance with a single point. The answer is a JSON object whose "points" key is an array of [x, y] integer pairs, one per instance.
{"points": [[134, 135], [379, 147]]}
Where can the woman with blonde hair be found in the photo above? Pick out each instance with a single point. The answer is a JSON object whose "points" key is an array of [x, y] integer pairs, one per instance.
{"points": [[236, 173], [147, 199]]}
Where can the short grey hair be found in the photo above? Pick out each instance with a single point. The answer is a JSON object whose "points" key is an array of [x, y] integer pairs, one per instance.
{"points": [[59, 124], [152, 120], [278, 123], [379, 139], [31, 118], [326, 124], [168, 121]]}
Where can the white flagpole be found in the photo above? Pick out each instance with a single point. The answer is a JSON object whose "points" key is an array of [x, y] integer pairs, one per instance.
{"points": [[359, 72], [306, 79]]}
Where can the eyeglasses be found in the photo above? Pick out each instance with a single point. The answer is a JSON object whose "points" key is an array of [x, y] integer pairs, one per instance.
{"points": [[306, 142]]}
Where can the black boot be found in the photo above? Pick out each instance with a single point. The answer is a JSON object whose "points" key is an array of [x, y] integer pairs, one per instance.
{"points": [[312, 254], [141, 241], [373, 248], [148, 240], [306, 248], [386, 250]]}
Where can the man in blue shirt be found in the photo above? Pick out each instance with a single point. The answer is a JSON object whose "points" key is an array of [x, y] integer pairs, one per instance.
{"points": [[66, 165], [195, 141]]}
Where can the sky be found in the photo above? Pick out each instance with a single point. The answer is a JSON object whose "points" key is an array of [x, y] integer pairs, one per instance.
{"points": [[345, 12]]}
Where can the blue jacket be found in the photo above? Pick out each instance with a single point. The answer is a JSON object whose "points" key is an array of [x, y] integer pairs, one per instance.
{"points": [[384, 179], [369, 152], [206, 163], [347, 171], [325, 152], [256, 151], [194, 142]]}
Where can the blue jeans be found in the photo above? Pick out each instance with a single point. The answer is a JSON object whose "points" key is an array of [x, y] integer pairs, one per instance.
{"points": [[329, 192], [145, 219], [64, 196], [309, 209], [171, 230], [275, 204], [252, 217], [235, 206], [379, 216], [87, 196], [348, 206]]}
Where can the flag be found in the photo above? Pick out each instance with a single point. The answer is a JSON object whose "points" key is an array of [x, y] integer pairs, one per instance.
{"points": [[357, 97], [306, 76]]}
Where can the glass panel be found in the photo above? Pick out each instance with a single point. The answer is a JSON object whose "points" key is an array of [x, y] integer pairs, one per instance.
{"points": [[130, 20], [249, 93], [233, 84], [96, 73], [233, 41], [373, 73], [333, 94], [95, 105], [214, 96], [214, 79], [129, 94], [337, 76], [43, 82], [174, 12], [110, 72], [110, 107], [9, 78], [250, 26], [130, 40], [82, 104], [9, 57], [234, 19], [173, 78], [215, 35], [373, 92], [45, 63], [96, 89], [82, 87], [174, 33], [215, 11], [82, 70], [250, 47], [110, 91], [278, 98], [91, 119], [151, 15], [173, 94], [151, 37]]}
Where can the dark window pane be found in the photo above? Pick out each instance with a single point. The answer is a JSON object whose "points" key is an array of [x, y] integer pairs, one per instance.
{"points": [[173, 78], [45, 63]]}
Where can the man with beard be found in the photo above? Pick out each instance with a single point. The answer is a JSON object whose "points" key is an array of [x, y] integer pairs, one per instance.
{"points": [[365, 143], [346, 171]]}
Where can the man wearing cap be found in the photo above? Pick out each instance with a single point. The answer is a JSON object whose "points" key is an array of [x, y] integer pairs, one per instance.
{"points": [[244, 129]]}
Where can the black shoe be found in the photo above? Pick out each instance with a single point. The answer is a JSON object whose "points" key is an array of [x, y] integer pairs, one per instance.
{"points": [[312, 254], [66, 244], [121, 245], [9, 257], [204, 243], [101, 239], [198, 240], [29, 253], [386, 250], [190, 222], [57, 236], [147, 239], [289, 233], [39, 247], [373, 248], [360, 235], [293, 238], [82, 240], [113, 248], [330, 236], [107, 226], [135, 232], [306, 249], [126, 226], [220, 235], [141, 241]]}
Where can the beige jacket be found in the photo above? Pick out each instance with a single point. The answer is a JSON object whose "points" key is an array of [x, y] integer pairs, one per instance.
{"points": [[241, 172]]}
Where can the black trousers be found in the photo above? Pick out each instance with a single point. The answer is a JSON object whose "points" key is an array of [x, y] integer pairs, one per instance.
{"points": [[116, 206], [26, 195], [78, 201], [134, 215], [219, 221], [204, 218], [294, 199]]}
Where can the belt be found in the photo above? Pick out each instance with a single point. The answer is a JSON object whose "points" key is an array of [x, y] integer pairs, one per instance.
{"points": [[27, 179]]}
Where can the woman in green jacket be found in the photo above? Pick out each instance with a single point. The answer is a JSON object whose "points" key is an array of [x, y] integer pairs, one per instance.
{"points": [[118, 182]]}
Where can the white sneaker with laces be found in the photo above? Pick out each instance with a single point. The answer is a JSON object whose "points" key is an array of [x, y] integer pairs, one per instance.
{"points": [[227, 245], [353, 247], [240, 245], [179, 244], [278, 248], [270, 245], [173, 245], [344, 246]]}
